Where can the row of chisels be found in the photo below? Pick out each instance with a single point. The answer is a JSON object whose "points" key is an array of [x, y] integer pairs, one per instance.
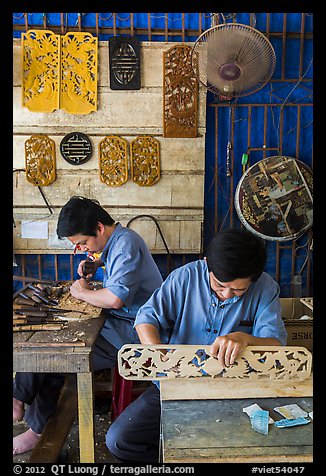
{"points": [[35, 308]]}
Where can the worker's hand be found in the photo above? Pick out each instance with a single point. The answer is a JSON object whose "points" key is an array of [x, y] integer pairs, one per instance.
{"points": [[78, 287], [227, 348]]}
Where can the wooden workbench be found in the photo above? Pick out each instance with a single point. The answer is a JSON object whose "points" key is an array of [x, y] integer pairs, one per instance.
{"points": [[202, 418], [71, 359], [199, 431]]}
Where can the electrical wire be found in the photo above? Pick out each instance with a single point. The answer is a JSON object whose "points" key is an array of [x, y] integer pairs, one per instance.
{"points": [[284, 102], [160, 232]]}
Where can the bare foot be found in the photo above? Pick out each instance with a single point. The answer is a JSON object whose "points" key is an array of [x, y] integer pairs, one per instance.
{"points": [[25, 441], [18, 410]]}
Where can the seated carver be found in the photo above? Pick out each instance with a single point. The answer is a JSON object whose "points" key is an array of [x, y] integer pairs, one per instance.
{"points": [[226, 301], [130, 277]]}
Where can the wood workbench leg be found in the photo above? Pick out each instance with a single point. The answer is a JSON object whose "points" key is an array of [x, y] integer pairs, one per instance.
{"points": [[85, 391]]}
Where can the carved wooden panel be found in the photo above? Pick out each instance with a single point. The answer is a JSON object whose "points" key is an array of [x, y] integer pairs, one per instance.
{"points": [[145, 161], [41, 66], [124, 62], [40, 160], [113, 161], [79, 53], [180, 91], [76, 148], [149, 362]]}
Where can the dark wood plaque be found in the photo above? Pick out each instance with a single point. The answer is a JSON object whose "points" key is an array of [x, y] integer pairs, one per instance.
{"points": [[76, 148], [124, 62]]}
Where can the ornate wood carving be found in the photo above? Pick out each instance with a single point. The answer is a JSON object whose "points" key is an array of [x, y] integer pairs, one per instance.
{"points": [[145, 161], [78, 73], [40, 160], [45, 88], [180, 91], [41, 66], [113, 162], [176, 361]]}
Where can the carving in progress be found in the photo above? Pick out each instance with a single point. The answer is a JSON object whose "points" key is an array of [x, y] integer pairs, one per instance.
{"points": [[180, 90], [78, 92], [113, 162], [40, 160], [176, 361], [309, 302], [41, 66], [145, 161]]}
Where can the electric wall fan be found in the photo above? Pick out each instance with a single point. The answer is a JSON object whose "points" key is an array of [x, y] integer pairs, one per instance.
{"points": [[233, 60]]}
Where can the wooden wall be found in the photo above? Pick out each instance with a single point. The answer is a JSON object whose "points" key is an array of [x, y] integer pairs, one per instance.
{"points": [[176, 201]]}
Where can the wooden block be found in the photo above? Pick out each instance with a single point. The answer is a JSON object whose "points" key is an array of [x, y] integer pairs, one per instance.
{"points": [[206, 389]]}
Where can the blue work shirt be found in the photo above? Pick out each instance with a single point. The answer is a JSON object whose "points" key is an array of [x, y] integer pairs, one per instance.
{"points": [[132, 275], [185, 309]]}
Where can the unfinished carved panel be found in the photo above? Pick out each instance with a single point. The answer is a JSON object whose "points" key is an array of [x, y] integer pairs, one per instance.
{"points": [[40, 160], [40, 82], [145, 161], [79, 53], [113, 162], [180, 90], [175, 361]]}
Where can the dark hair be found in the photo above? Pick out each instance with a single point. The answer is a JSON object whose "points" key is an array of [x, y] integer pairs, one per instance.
{"points": [[81, 215], [234, 254]]}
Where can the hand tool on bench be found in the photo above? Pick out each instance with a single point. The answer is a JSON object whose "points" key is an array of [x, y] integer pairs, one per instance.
{"points": [[38, 327], [37, 320]]}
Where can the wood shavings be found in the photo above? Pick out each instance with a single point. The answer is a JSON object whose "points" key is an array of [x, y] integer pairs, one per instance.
{"points": [[83, 309]]}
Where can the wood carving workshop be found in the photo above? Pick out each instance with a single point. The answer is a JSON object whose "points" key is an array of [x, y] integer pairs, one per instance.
{"points": [[162, 239]]}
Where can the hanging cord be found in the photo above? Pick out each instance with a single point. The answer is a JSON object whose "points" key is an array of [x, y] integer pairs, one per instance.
{"points": [[171, 262], [40, 190]]}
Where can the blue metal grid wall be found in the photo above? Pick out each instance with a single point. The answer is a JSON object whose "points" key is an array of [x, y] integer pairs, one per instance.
{"points": [[278, 119]]}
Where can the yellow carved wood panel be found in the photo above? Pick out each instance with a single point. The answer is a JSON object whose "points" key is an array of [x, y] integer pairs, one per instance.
{"points": [[59, 72], [41, 66], [145, 161], [40, 164], [113, 160], [78, 89]]}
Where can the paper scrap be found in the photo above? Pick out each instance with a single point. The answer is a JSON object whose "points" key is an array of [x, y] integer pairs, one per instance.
{"points": [[35, 229], [305, 318], [291, 411], [259, 421], [311, 414], [291, 422], [252, 408]]}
